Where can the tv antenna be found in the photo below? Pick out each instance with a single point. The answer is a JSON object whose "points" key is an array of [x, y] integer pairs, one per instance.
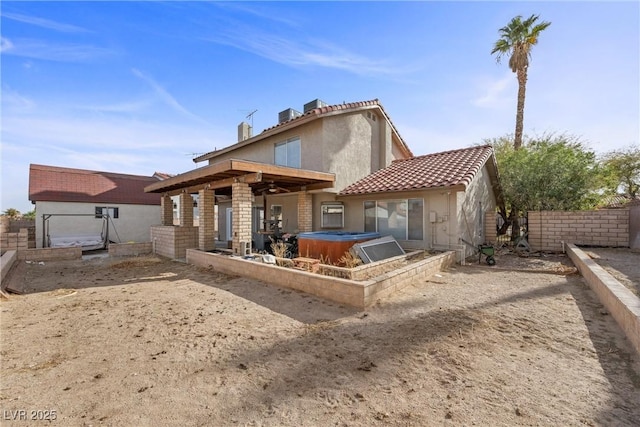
{"points": [[250, 117]]}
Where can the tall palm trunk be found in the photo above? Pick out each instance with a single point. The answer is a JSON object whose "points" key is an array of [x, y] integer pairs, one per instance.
{"points": [[522, 87]]}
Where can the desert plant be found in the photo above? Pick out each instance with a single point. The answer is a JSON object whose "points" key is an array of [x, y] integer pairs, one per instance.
{"points": [[279, 251], [350, 260]]}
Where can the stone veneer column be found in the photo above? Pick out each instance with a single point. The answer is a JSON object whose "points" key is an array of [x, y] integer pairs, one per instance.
{"points": [[305, 212], [207, 225], [186, 210], [166, 210], [241, 217]]}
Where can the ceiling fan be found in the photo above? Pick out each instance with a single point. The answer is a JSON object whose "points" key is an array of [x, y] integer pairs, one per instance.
{"points": [[272, 188]]}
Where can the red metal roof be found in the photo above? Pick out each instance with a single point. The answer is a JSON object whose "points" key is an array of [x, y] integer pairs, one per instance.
{"points": [[56, 184], [445, 169]]}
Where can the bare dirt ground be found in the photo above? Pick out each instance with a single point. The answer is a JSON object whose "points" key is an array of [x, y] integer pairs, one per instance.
{"points": [[151, 342]]}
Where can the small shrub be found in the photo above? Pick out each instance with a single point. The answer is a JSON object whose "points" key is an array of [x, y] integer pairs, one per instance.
{"points": [[279, 251], [349, 260]]}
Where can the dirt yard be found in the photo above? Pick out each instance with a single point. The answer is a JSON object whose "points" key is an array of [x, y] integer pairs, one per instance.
{"points": [[151, 342]]}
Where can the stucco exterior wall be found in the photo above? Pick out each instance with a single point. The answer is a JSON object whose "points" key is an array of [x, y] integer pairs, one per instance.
{"points": [[350, 142], [132, 225], [478, 199]]}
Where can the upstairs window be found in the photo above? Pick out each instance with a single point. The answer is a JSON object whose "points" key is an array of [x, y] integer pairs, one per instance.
{"points": [[287, 153]]}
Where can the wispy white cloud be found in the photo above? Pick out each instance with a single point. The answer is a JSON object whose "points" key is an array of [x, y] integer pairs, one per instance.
{"points": [[44, 23], [256, 10], [5, 45], [134, 106], [295, 52], [14, 101], [38, 49], [165, 96], [496, 93]]}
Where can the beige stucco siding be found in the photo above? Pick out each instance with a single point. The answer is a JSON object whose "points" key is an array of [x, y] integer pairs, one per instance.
{"points": [[474, 203], [132, 225], [348, 147]]}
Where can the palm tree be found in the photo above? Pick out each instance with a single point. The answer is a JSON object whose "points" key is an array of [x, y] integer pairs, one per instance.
{"points": [[12, 213], [516, 40]]}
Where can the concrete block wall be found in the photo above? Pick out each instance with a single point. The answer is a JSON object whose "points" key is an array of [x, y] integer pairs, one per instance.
{"points": [[15, 241], [366, 271], [130, 249], [607, 227], [172, 242], [241, 205], [166, 210], [186, 210], [344, 291], [305, 212], [207, 223], [16, 224], [50, 254], [490, 232]]}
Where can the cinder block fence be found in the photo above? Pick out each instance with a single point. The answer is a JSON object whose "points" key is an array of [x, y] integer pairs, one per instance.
{"points": [[606, 227]]}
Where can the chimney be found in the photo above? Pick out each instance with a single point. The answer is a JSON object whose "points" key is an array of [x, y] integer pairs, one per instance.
{"points": [[244, 131]]}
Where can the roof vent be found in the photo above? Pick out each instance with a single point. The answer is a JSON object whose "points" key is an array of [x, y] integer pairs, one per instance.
{"points": [[288, 114], [316, 103]]}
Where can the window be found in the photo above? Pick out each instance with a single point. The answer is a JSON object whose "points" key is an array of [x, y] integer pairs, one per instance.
{"points": [[287, 153], [104, 210], [402, 219], [332, 215]]}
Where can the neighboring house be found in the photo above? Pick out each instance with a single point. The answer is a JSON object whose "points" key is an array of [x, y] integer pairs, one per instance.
{"points": [[78, 205], [618, 201], [338, 167]]}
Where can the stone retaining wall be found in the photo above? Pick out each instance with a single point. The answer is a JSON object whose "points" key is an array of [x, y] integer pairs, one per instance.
{"points": [[49, 254], [358, 294], [130, 249]]}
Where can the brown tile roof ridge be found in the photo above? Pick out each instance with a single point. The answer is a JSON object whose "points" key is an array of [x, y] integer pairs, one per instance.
{"points": [[443, 169], [319, 111]]}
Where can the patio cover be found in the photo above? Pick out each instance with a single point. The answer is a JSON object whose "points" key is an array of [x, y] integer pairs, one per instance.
{"points": [[260, 177]]}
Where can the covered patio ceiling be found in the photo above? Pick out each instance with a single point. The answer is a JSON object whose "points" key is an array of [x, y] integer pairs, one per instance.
{"points": [[261, 177]]}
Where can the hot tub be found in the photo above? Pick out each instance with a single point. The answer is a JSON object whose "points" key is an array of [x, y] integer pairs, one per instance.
{"points": [[330, 245]]}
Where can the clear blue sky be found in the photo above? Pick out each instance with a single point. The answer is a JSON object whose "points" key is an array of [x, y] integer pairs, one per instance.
{"points": [[138, 87]]}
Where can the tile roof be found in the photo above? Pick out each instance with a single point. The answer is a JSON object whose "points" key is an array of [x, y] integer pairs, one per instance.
{"points": [[56, 184], [445, 169], [309, 115], [618, 201]]}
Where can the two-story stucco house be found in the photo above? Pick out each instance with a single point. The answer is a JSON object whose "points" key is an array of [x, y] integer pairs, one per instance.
{"points": [[334, 167]]}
